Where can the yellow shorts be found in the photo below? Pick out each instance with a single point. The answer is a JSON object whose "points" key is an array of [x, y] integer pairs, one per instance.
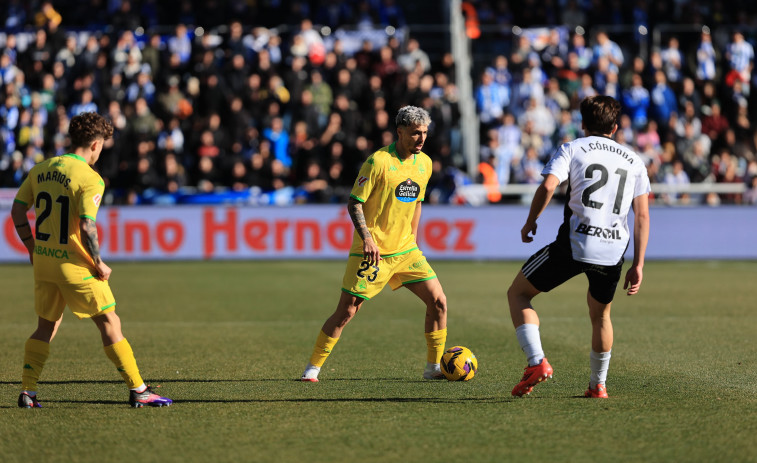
{"points": [[86, 299], [364, 280]]}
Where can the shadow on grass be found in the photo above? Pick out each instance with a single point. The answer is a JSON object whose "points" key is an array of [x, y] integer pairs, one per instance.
{"points": [[437, 400], [299, 400], [194, 380]]}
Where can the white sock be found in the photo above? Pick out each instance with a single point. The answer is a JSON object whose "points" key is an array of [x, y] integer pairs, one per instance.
{"points": [[600, 363], [530, 342], [433, 367], [311, 371], [140, 388], [31, 393]]}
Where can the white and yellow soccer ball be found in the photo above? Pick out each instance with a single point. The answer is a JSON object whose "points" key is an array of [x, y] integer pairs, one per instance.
{"points": [[459, 364]]}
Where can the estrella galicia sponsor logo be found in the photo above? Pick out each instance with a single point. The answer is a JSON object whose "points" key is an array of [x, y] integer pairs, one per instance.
{"points": [[407, 191], [591, 230]]}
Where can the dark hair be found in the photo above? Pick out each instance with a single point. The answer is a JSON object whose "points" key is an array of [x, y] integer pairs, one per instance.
{"points": [[600, 113], [85, 128]]}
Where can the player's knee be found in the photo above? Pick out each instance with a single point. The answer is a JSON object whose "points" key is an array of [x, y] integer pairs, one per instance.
{"points": [[599, 316], [513, 293], [346, 314], [439, 305]]}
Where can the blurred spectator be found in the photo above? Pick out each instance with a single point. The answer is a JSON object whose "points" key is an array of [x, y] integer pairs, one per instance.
{"points": [[676, 177], [414, 57], [584, 54], [491, 98], [714, 124], [607, 48], [47, 16], [279, 139], [180, 45], [86, 104], [530, 167], [740, 55], [322, 96], [487, 174], [672, 62], [207, 175], [636, 102], [706, 58], [663, 100]]}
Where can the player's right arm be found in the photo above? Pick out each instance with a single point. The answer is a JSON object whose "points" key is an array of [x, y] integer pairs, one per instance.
{"points": [[371, 251], [23, 229], [22, 202], [367, 178], [89, 239], [541, 198], [634, 275]]}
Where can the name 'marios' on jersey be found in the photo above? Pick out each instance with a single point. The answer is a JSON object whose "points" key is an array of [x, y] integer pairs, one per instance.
{"points": [[53, 176], [610, 148]]}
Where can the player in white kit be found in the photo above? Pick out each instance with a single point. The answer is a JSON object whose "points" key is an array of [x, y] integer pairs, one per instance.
{"points": [[605, 180]]}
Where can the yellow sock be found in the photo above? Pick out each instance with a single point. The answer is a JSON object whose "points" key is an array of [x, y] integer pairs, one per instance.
{"points": [[435, 341], [122, 357], [35, 355], [323, 346]]}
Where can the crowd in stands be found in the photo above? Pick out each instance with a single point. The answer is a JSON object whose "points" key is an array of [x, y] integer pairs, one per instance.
{"points": [[282, 111], [687, 109], [231, 108]]}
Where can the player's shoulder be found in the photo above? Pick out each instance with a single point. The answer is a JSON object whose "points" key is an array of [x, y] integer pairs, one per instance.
{"points": [[380, 156], [42, 165], [424, 158], [87, 174]]}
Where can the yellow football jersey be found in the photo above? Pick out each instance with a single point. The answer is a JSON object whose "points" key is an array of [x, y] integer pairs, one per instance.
{"points": [[62, 190], [389, 189]]}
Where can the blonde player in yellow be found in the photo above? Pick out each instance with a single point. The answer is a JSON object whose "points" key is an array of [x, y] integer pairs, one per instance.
{"points": [[64, 249], [385, 207]]}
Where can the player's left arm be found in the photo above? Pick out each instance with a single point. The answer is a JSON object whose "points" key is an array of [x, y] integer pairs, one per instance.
{"points": [[416, 219], [91, 243], [23, 228], [634, 275]]}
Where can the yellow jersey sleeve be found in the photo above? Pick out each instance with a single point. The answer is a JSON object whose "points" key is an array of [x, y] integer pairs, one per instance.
{"points": [[367, 179], [91, 196]]}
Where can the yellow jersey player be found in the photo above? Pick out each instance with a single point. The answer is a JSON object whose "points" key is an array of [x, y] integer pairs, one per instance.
{"points": [[64, 250], [385, 208]]}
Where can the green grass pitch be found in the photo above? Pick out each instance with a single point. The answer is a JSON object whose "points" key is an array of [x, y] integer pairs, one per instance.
{"points": [[227, 341]]}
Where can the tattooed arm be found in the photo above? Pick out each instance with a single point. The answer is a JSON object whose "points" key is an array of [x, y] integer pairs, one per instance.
{"points": [[92, 245], [371, 250]]}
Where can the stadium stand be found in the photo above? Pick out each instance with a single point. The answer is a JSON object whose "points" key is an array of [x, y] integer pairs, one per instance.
{"points": [[283, 103]]}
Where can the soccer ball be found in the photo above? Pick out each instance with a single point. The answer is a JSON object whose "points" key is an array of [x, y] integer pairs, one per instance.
{"points": [[459, 364]]}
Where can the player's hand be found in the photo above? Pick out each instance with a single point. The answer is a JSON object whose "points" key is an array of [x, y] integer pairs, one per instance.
{"points": [[371, 252], [103, 271], [527, 230], [633, 280], [30, 250]]}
